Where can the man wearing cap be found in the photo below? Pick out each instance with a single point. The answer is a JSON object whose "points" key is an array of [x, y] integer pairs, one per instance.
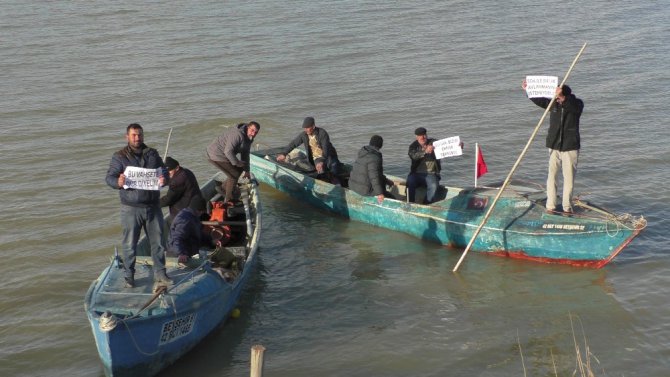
{"points": [[425, 169], [186, 232], [224, 150], [563, 142], [320, 150], [183, 187], [367, 175]]}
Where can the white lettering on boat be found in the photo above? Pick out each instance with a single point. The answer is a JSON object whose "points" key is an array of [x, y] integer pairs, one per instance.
{"points": [[177, 328], [564, 226], [521, 204]]}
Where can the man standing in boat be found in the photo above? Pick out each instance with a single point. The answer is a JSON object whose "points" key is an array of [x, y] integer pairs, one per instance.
{"points": [[320, 150], [139, 208], [183, 187], [367, 175], [563, 142], [224, 150]]}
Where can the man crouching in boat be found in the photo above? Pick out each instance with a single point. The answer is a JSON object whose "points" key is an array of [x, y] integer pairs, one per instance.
{"points": [[320, 150], [186, 232], [223, 153], [367, 175], [139, 208]]}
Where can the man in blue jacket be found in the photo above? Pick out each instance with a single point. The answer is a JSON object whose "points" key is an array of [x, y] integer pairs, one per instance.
{"points": [[186, 232], [139, 208]]}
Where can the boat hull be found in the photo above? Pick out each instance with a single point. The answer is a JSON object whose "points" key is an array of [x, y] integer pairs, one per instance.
{"points": [[519, 227], [143, 346], [139, 332]]}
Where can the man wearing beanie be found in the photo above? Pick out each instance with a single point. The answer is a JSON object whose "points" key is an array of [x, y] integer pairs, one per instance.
{"points": [[563, 142], [186, 232], [183, 187], [320, 150], [367, 175]]}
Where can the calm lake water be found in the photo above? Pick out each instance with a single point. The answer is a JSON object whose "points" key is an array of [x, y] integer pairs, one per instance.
{"points": [[333, 297]]}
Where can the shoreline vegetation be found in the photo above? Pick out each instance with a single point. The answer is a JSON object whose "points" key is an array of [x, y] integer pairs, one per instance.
{"points": [[583, 356]]}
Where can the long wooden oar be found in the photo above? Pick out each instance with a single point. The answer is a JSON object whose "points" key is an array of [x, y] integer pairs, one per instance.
{"points": [[516, 164]]}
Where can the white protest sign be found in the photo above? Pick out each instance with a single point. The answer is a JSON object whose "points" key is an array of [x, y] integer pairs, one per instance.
{"points": [[448, 147], [142, 178], [541, 86]]}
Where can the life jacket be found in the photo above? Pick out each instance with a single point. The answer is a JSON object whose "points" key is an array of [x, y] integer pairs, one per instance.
{"points": [[221, 233]]}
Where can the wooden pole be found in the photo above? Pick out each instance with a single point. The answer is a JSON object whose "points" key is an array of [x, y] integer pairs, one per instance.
{"points": [[516, 164], [476, 160], [257, 360], [167, 144]]}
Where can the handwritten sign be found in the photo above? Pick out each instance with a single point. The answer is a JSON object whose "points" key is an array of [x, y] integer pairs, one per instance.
{"points": [[142, 178], [541, 86], [448, 147]]}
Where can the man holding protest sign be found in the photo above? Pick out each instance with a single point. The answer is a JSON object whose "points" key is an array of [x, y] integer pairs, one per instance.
{"points": [[425, 168], [563, 141], [137, 171]]}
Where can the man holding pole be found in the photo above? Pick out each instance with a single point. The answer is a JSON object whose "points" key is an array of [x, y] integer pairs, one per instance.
{"points": [[563, 142]]}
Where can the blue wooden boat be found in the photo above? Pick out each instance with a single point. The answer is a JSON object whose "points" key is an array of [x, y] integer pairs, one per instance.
{"points": [[519, 226], [139, 332]]}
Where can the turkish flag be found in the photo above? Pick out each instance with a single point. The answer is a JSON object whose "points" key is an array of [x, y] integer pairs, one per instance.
{"points": [[481, 164]]}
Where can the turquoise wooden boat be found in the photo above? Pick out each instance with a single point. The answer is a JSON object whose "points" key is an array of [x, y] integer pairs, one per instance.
{"points": [[139, 332], [519, 226]]}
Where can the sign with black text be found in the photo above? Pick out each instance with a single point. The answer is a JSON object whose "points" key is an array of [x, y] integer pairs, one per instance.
{"points": [[541, 86], [142, 178], [448, 147]]}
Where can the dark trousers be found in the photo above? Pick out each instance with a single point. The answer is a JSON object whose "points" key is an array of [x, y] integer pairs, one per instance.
{"points": [[232, 172]]}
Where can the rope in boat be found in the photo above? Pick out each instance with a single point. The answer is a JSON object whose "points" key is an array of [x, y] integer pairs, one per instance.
{"points": [[621, 220], [637, 223], [108, 321]]}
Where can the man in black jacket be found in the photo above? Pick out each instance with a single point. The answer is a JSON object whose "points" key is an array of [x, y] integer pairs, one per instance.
{"points": [[367, 175], [425, 168], [563, 142], [183, 187], [320, 150]]}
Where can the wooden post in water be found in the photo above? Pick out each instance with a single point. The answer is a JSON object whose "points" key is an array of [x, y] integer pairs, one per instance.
{"points": [[257, 360]]}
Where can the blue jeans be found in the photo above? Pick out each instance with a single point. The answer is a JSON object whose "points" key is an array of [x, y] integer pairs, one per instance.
{"points": [[415, 180], [133, 220]]}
